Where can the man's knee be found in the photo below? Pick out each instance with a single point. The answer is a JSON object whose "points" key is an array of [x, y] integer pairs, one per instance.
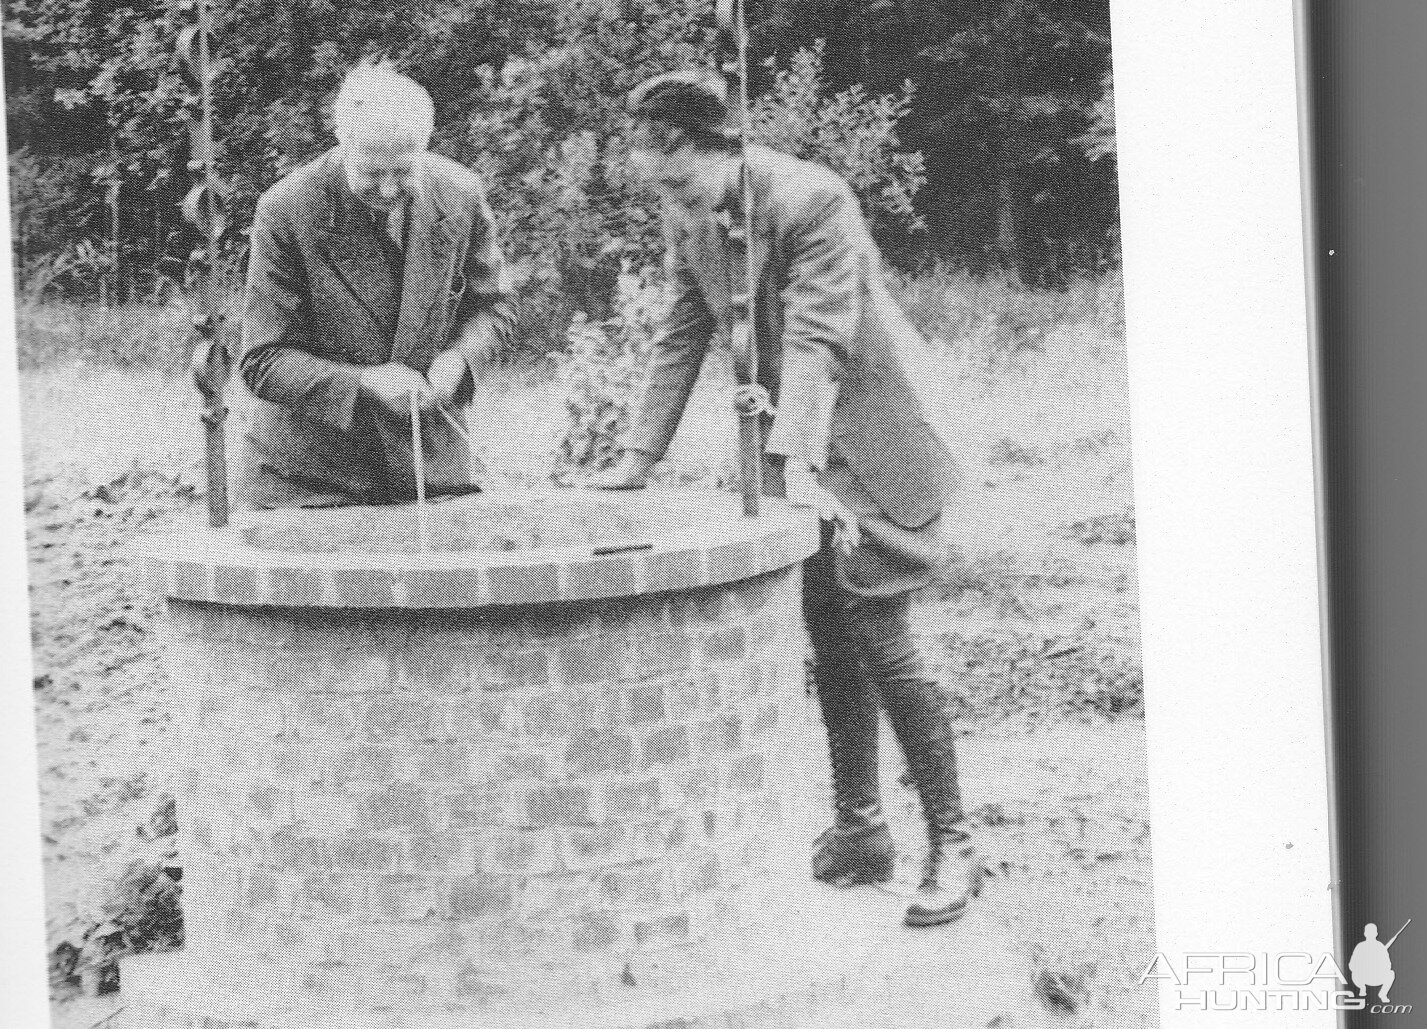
{"points": [[880, 628]]}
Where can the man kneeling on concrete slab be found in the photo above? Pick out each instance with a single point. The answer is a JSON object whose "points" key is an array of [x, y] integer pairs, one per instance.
{"points": [[375, 277], [848, 439]]}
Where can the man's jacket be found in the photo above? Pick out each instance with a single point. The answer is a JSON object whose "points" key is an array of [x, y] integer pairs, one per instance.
{"points": [[829, 337], [324, 298]]}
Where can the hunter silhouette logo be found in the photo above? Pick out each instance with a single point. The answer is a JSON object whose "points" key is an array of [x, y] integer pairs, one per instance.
{"points": [[1371, 964], [1286, 981]]}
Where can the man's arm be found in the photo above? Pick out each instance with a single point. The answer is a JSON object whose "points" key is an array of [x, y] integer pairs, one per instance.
{"points": [[277, 363], [822, 305], [676, 355], [486, 316]]}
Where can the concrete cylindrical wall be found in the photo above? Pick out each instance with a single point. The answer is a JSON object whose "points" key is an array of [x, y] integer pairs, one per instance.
{"points": [[505, 773]]}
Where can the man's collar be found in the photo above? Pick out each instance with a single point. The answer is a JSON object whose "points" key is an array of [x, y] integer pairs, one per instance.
{"points": [[348, 209], [733, 181], [731, 206]]}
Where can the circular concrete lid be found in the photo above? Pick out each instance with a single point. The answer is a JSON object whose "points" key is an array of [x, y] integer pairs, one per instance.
{"points": [[496, 549]]}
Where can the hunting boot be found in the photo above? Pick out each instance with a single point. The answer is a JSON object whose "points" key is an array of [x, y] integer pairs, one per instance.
{"points": [[951, 876], [857, 849], [952, 873]]}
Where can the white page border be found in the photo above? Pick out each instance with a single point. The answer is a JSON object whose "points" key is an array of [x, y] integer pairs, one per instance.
{"points": [[1216, 314], [24, 993], [1222, 421]]}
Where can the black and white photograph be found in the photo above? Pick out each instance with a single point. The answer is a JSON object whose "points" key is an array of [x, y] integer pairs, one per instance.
{"points": [[602, 513]]}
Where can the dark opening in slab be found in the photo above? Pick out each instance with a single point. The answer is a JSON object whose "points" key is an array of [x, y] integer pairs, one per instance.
{"points": [[460, 525]]}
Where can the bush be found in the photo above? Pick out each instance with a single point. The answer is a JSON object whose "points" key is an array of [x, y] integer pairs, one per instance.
{"points": [[601, 374], [853, 133], [989, 339], [136, 908], [550, 138]]}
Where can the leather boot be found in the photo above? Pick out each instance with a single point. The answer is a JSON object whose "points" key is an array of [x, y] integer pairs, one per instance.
{"points": [[857, 849], [855, 855], [951, 876], [952, 873]]}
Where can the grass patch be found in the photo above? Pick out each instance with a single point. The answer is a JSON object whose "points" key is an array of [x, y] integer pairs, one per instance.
{"points": [[52, 335]]}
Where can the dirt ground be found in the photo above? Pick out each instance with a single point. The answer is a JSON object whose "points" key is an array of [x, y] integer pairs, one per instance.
{"points": [[1037, 643]]}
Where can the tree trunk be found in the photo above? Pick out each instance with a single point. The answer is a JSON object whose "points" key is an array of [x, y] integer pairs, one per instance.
{"points": [[110, 284], [1007, 230], [1008, 233]]}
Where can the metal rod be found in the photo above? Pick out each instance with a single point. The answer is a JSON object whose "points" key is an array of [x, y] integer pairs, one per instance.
{"points": [[214, 427], [418, 459], [750, 462], [473, 468], [203, 209], [733, 38], [620, 548], [751, 428]]}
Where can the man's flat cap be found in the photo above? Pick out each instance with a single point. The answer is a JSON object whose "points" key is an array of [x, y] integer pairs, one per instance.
{"points": [[692, 99]]}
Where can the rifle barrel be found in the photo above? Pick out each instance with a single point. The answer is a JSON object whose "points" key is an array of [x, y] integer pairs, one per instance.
{"points": [[1397, 934]]}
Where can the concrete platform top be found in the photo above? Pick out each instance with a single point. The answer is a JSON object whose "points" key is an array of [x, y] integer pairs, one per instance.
{"points": [[497, 549]]}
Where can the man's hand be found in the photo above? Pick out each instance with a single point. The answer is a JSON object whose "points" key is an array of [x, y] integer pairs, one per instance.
{"points": [[392, 384], [632, 472], [448, 376], [803, 490]]}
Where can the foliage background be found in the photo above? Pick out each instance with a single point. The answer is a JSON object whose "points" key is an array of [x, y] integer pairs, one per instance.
{"points": [[979, 132]]}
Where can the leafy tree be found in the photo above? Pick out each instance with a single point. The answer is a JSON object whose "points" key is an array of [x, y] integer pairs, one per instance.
{"points": [[1029, 78], [1004, 88], [1005, 96], [854, 133], [1099, 140], [88, 63], [549, 131]]}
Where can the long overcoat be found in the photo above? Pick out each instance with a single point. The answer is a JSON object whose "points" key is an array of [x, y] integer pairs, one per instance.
{"points": [[325, 297], [831, 354]]}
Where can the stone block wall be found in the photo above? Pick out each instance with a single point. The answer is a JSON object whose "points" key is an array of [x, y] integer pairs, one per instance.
{"points": [[415, 809]]}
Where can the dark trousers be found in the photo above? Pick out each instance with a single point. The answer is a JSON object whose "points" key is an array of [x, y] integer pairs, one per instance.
{"points": [[865, 659]]}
